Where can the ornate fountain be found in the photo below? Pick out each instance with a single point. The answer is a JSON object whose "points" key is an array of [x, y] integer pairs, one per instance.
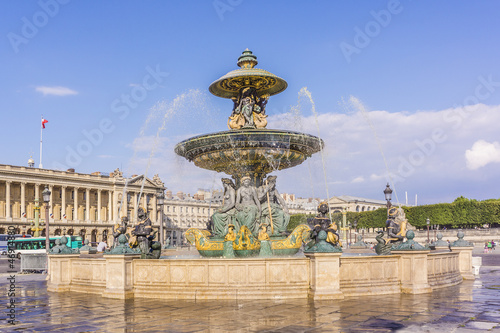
{"points": [[253, 213]]}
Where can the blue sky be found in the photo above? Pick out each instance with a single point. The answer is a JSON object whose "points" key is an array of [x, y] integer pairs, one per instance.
{"points": [[416, 82]]}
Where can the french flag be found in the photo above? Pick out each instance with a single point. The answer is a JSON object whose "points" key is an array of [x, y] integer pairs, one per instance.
{"points": [[44, 121]]}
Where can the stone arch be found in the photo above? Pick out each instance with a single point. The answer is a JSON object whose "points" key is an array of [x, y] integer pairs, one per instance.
{"points": [[82, 234], [93, 236], [71, 232], [105, 236], [57, 232], [357, 208]]}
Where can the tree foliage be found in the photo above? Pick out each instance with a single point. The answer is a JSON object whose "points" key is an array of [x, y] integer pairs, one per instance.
{"points": [[460, 213]]}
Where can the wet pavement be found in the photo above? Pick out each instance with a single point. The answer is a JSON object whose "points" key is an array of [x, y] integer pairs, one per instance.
{"points": [[473, 306]]}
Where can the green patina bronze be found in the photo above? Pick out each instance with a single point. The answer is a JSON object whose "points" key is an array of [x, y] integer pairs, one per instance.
{"points": [[440, 242], [123, 247], [410, 244], [248, 152], [461, 242]]}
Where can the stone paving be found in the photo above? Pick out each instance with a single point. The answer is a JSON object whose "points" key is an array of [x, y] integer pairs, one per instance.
{"points": [[473, 306]]}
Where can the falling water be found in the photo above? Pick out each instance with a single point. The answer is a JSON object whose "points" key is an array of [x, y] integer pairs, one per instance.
{"points": [[306, 93], [192, 98], [358, 105]]}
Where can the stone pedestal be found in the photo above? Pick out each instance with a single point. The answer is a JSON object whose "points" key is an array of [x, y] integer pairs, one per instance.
{"points": [[119, 276], [413, 272], [465, 261], [325, 276], [60, 272]]}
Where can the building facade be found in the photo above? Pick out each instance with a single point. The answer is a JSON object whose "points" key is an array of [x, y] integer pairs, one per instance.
{"points": [[347, 203], [90, 205], [80, 204]]}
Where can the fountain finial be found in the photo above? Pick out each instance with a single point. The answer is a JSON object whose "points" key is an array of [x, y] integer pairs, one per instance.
{"points": [[247, 59]]}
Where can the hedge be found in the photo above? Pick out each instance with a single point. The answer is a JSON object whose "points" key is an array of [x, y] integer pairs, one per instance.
{"points": [[461, 213]]}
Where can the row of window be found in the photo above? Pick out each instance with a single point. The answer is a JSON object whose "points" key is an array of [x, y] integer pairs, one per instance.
{"points": [[199, 210]]}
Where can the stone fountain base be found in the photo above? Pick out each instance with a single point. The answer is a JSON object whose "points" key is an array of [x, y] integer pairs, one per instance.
{"points": [[316, 276]]}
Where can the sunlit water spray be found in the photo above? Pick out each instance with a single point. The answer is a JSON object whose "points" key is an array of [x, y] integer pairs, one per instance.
{"points": [[356, 104], [307, 94], [193, 99]]}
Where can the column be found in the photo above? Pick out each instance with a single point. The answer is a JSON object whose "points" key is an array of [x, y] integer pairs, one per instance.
{"points": [[136, 205], [145, 202], [63, 203], [124, 205], [75, 204], [155, 218], [110, 206], [51, 202], [37, 192], [8, 214], [116, 206], [23, 201], [87, 204], [99, 205]]}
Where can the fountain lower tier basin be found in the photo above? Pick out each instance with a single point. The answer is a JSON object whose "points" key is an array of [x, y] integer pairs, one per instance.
{"points": [[320, 276], [250, 152]]}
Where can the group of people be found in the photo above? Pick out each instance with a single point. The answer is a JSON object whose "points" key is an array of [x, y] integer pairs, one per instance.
{"points": [[489, 246], [252, 207]]}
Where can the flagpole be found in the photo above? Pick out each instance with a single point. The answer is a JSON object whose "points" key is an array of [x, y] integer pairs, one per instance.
{"points": [[41, 128]]}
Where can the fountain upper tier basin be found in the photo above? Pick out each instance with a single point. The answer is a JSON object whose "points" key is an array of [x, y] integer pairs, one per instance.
{"points": [[249, 152]]}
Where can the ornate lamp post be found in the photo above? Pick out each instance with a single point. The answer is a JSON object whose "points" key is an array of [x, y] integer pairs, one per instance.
{"points": [[160, 201], [344, 224], [428, 224], [350, 233], [46, 199], [355, 224], [388, 195]]}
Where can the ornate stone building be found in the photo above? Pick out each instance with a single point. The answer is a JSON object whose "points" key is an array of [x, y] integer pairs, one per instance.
{"points": [[101, 199], [80, 204], [349, 203]]}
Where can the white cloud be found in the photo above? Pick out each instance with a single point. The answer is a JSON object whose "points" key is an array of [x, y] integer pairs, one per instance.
{"points": [[423, 152], [359, 179], [481, 154], [56, 91]]}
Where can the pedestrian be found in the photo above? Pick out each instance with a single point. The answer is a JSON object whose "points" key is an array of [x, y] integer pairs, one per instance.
{"points": [[101, 246], [493, 244], [489, 247], [486, 247]]}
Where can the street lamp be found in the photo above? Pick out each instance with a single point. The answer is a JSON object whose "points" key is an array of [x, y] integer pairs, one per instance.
{"points": [[428, 224], [388, 193], [160, 201], [355, 224], [46, 199], [350, 234]]}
